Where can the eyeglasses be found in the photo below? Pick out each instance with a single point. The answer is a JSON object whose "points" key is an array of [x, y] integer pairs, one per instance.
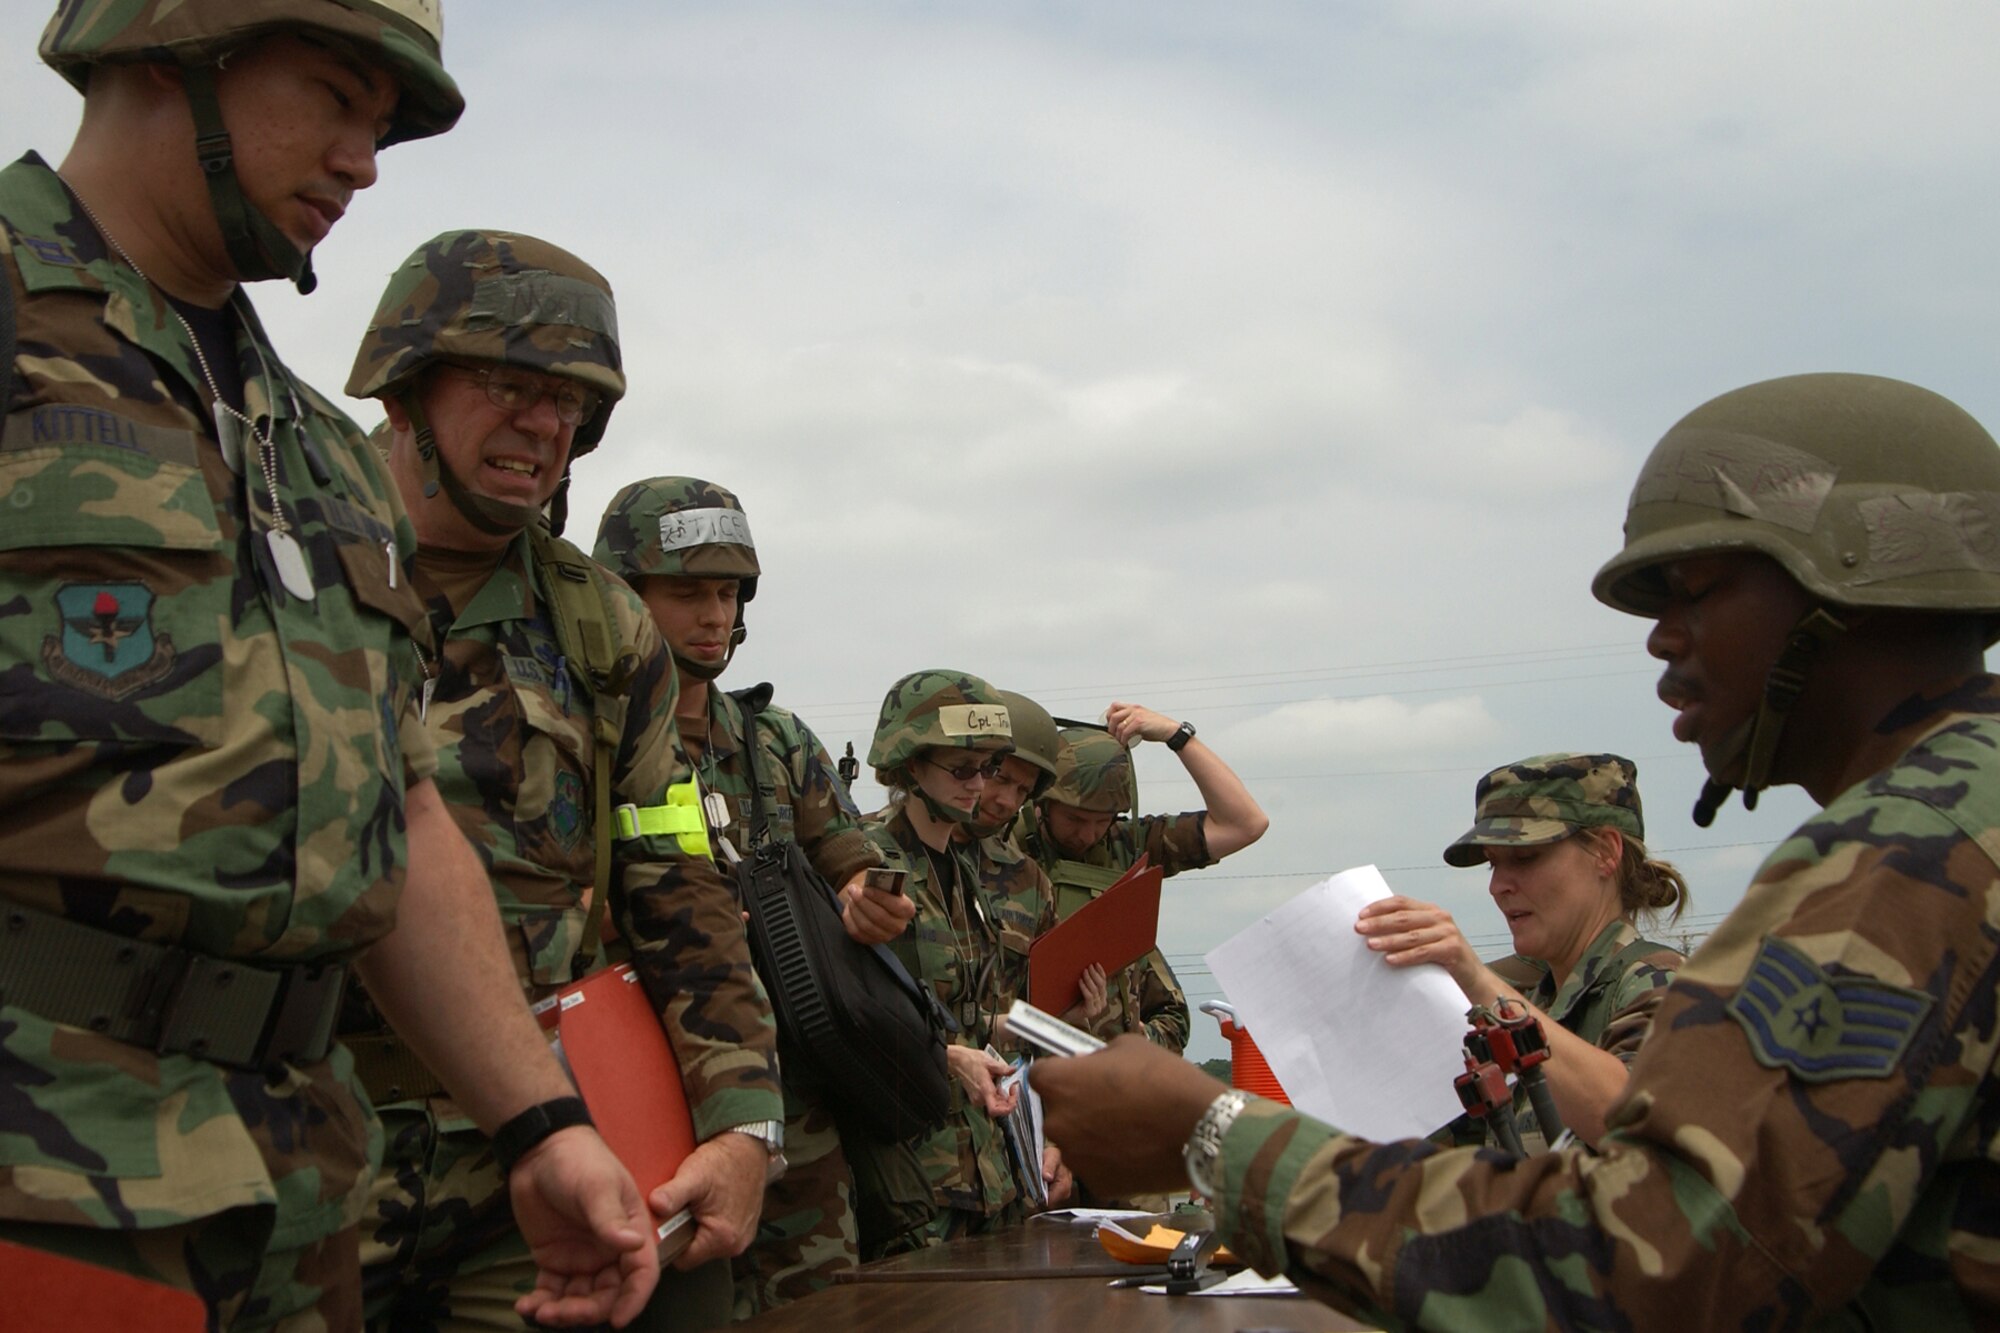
{"points": [[969, 770], [515, 391]]}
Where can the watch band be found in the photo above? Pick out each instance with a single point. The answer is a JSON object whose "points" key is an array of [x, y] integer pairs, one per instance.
{"points": [[1203, 1154], [513, 1140], [770, 1135], [1182, 735]]}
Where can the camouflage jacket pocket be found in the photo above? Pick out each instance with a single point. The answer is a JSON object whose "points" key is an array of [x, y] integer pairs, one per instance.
{"points": [[103, 1133], [115, 595], [552, 800]]}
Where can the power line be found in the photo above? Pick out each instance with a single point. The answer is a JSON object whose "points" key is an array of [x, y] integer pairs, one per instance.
{"points": [[1292, 676], [1208, 878]]}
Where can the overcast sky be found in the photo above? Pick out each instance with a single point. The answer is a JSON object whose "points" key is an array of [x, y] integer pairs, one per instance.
{"points": [[1283, 367]]}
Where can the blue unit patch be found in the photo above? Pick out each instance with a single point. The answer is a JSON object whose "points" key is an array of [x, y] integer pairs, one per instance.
{"points": [[107, 645], [1820, 1026], [566, 808]]}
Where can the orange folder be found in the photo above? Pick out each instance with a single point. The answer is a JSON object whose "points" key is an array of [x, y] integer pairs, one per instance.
{"points": [[610, 1037], [1114, 930], [39, 1290]]}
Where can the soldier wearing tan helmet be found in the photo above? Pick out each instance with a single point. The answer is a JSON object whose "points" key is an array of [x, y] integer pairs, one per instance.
{"points": [[496, 356], [685, 545], [217, 782], [1085, 832], [1809, 1137]]}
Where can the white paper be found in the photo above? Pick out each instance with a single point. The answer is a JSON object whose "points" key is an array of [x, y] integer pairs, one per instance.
{"points": [[1244, 1283], [1368, 1048], [1090, 1216]]}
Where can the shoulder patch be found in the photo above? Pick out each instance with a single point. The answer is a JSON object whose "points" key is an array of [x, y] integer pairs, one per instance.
{"points": [[1819, 1026]]}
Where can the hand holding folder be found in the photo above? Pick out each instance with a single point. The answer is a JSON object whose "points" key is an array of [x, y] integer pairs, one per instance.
{"points": [[609, 1037], [1114, 930]]}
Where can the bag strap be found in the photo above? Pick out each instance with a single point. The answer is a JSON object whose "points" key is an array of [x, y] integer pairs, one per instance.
{"points": [[759, 820], [6, 342], [580, 606]]}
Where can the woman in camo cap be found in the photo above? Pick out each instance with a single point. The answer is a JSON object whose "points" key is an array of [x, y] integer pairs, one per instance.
{"points": [[1563, 837]]}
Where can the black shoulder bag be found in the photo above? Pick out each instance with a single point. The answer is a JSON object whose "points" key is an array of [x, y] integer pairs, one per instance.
{"points": [[852, 1023]]}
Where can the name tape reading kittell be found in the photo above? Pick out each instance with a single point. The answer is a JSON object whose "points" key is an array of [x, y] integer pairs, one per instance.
{"points": [[975, 720], [704, 527], [1048, 1032]]}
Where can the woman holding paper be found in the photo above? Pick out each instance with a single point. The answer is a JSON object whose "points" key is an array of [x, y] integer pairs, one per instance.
{"points": [[941, 738], [1563, 836]]}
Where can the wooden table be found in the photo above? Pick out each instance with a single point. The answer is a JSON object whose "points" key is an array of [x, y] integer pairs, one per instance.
{"points": [[1039, 1276], [1058, 1304], [1031, 1250]]}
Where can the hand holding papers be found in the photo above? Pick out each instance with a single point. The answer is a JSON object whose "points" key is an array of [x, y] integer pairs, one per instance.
{"points": [[1369, 1049]]}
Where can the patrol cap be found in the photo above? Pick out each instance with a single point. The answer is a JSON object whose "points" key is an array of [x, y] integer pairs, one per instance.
{"points": [[1545, 799]]}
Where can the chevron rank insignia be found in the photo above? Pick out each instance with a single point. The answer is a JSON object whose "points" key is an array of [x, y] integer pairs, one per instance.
{"points": [[1820, 1026]]}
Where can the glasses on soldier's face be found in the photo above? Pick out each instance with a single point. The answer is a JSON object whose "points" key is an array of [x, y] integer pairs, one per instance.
{"points": [[514, 391], [969, 769]]}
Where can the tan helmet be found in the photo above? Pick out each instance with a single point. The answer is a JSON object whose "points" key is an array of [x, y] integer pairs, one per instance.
{"points": [[405, 37], [1869, 492], [1035, 738]]}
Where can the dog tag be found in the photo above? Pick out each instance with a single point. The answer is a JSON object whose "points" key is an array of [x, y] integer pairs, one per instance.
{"points": [[229, 434], [717, 806], [424, 698], [291, 563]]}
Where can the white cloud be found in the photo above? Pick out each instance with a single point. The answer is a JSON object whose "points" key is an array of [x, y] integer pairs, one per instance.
{"points": [[1337, 730]]}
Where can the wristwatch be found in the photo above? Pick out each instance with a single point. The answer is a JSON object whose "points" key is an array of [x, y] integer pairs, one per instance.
{"points": [[771, 1135], [1182, 735], [1203, 1153]]}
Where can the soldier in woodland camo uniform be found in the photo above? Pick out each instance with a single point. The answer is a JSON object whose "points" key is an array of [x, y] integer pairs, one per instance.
{"points": [[212, 767], [685, 546], [1809, 1137], [496, 356], [980, 903], [1562, 836]]}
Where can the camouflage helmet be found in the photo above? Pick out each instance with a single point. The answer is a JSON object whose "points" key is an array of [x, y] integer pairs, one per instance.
{"points": [[1095, 773], [1534, 802], [937, 709], [1870, 492], [678, 525], [1035, 738], [499, 297], [406, 37]]}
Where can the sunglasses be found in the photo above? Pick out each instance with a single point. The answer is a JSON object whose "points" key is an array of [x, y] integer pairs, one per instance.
{"points": [[970, 769]]}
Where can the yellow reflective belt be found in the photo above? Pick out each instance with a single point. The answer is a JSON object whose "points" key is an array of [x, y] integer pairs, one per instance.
{"points": [[681, 817]]}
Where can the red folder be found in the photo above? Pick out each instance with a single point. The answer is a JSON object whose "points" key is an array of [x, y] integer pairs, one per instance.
{"points": [[610, 1038], [1114, 930], [40, 1290]]}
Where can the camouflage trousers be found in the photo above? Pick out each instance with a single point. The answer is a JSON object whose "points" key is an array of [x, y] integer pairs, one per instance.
{"points": [[440, 1252], [224, 1260], [807, 1233], [438, 1245]]}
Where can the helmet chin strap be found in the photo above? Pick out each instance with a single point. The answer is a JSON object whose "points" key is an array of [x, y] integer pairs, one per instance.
{"points": [[710, 670], [256, 245], [495, 517], [1782, 687]]}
